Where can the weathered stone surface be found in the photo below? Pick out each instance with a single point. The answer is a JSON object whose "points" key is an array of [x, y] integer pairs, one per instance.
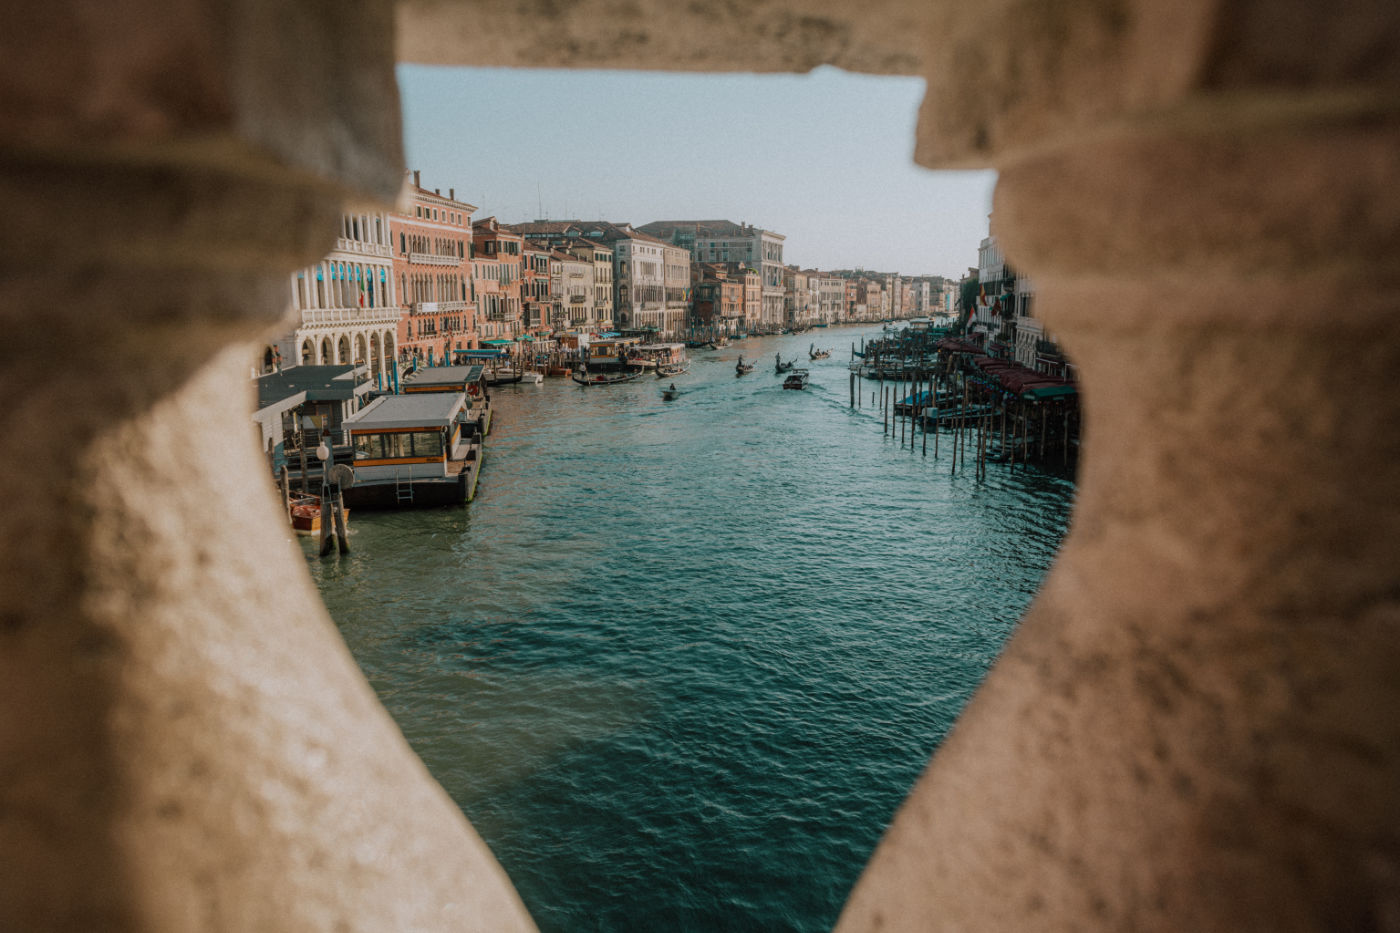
{"points": [[187, 743], [1016, 76], [700, 35], [1194, 727], [303, 88]]}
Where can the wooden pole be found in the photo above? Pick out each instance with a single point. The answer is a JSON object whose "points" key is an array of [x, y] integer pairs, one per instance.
{"points": [[1064, 441], [923, 414], [853, 390], [1043, 429], [343, 541], [285, 481], [900, 382]]}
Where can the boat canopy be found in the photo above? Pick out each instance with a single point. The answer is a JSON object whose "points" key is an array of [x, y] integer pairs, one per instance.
{"points": [[445, 378], [427, 411], [1021, 381], [487, 354]]}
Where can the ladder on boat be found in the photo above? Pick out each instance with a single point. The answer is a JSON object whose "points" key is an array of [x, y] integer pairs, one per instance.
{"points": [[403, 489]]}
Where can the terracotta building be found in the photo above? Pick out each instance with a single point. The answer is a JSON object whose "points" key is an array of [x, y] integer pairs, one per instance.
{"points": [[497, 258], [432, 245]]}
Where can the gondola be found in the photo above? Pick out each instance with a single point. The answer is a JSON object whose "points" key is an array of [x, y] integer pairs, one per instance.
{"points": [[669, 394], [780, 367], [814, 354], [666, 372], [741, 368], [610, 378]]}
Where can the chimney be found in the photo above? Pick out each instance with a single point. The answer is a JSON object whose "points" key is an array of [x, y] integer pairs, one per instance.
{"points": [[416, 182], [452, 194], [437, 191]]}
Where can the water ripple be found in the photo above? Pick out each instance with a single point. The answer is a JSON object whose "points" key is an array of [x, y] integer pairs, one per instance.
{"points": [[680, 662]]}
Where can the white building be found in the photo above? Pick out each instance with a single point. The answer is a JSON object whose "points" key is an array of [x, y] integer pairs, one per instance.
{"points": [[726, 241], [347, 301]]}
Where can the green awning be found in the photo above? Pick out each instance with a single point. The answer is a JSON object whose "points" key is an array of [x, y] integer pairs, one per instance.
{"points": [[497, 343]]}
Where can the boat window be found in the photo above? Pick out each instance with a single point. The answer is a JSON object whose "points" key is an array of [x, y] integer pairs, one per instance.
{"points": [[426, 443]]}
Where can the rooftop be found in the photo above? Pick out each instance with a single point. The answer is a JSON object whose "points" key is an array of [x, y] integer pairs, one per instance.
{"points": [[320, 383], [424, 410]]}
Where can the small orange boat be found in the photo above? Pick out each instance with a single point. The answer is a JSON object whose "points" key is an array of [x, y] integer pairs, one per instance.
{"points": [[304, 510]]}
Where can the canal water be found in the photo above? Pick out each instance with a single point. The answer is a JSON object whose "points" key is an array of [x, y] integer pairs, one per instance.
{"points": [[680, 661]]}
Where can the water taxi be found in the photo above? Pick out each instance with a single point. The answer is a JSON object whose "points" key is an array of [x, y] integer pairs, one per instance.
{"points": [[470, 380], [414, 451], [797, 379]]}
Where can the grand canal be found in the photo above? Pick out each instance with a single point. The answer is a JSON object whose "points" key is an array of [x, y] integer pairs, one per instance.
{"points": [[680, 661]]}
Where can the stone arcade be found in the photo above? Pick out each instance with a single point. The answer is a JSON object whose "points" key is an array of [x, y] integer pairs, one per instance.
{"points": [[1196, 726]]}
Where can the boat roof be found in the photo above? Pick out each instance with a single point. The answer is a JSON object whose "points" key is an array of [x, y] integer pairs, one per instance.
{"points": [[320, 383], [446, 375], [425, 410], [661, 346]]}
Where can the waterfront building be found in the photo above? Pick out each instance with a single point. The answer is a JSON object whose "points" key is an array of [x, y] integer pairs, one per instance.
{"points": [[576, 290], [347, 304], [726, 241], [432, 246], [651, 278], [536, 288], [497, 256], [600, 255], [720, 295], [831, 298]]}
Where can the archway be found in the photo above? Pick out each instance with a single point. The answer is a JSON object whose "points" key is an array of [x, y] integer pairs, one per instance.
{"points": [[342, 349], [361, 351], [308, 352], [326, 351]]}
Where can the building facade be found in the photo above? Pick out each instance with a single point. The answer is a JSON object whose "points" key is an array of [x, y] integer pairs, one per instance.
{"points": [[432, 246], [497, 257], [726, 241], [347, 303]]}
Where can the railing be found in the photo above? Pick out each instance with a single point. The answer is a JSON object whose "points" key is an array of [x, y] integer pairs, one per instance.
{"points": [[346, 245], [433, 259], [436, 307], [350, 315]]}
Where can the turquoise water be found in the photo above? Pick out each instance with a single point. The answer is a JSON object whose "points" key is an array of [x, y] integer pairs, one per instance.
{"points": [[680, 661]]}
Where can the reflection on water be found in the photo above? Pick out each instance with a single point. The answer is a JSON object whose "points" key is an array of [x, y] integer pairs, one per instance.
{"points": [[680, 661]]}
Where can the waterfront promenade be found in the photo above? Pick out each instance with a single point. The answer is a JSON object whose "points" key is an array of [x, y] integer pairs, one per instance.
{"points": [[680, 661]]}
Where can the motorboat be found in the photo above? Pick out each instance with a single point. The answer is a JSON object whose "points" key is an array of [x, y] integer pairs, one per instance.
{"points": [[797, 379]]}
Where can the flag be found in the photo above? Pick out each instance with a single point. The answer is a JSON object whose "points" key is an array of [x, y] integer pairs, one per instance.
{"points": [[362, 287]]}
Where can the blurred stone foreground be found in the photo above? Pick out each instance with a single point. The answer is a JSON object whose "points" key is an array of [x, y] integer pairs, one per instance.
{"points": [[1197, 726]]}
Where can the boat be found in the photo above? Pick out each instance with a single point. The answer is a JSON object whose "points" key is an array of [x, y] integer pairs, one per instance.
{"points": [[815, 354], [534, 377], [304, 511], [669, 359], [741, 368], [470, 380], [414, 451], [607, 378], [504, 374], [780, 367], [670, 393], [797, 379]]}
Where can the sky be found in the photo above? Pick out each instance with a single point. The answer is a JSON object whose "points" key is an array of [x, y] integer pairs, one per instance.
{"points": [[824, 159]]}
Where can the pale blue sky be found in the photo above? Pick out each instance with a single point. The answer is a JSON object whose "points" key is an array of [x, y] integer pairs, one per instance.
{"points": [[823, 158]]}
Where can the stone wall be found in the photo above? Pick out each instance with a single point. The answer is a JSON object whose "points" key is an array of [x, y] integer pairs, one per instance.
{"points": [[1196, 726]]}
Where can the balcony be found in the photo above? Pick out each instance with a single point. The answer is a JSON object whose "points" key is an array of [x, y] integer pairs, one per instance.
{"points": [[345, 245], [433, 259], [438, 307], [359, 317]]}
